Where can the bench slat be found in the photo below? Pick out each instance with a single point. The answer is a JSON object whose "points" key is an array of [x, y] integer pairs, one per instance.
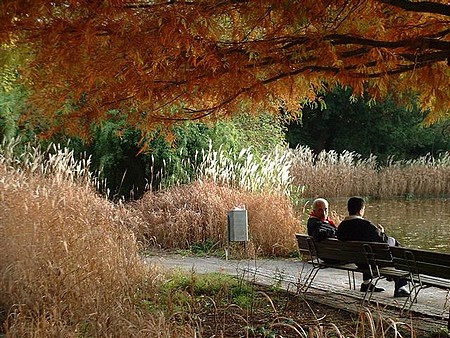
{"points": [[418, 261]]}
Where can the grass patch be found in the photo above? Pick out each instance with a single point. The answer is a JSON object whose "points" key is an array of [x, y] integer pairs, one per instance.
{"points": [[222, 289], [224, 306]]}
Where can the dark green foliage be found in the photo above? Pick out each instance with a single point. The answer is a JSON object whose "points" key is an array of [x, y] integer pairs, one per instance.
{"points": [[358, 124], [118, 156], [117, 151], [261, 133], [12, 98]]}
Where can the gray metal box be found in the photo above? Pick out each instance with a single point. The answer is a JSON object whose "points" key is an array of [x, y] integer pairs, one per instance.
{"points": [[237, 225]]}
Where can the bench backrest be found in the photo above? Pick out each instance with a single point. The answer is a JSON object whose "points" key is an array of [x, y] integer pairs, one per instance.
{"points": [[361, 253], [418, 261], [333, 249], [303, 245]]}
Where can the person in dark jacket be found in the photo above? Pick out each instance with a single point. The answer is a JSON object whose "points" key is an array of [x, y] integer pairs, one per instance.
{"points": [[319, 225], [355, 228]]}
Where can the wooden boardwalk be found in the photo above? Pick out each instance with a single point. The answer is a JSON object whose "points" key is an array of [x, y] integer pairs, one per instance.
{"points": [[430, 313], [421, 316]]}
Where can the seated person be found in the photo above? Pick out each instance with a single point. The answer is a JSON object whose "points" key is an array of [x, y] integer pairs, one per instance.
{"points": [[319, 225], [355, 228]]}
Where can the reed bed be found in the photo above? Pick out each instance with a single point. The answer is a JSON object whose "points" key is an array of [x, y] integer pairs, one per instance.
{"points": [[69, 265], [268, 173], [333, 174], [186, 215], [425, 176], [299, 173], [55, 161]]}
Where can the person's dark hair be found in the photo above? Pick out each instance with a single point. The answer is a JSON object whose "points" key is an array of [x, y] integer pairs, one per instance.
{"points": [[354, 205]]}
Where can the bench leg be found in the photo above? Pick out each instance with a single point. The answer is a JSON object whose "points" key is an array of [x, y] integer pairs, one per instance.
{"points": [[368, 294], [304, 286], [351, 279], [412, 298]]}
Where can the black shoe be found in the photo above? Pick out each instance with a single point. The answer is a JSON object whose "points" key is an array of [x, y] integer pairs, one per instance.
{"points": [[402, 292], [370, 287]]}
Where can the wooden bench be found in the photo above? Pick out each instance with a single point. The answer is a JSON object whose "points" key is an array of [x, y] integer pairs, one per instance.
{"points": [[422, 268], [425, 268], [332, 253], [326, 259]]}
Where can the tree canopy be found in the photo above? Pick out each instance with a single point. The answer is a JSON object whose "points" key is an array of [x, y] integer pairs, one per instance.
{"points": [[159, 62]]}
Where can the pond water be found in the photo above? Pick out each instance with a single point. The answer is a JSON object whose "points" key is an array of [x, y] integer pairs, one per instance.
{"points": [[421, 223]]}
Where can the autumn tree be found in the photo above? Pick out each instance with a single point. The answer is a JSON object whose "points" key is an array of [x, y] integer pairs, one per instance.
{"points": [[160, 62]]}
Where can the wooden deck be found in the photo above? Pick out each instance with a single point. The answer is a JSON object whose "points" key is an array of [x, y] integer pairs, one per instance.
{"points": [[421, 316], [424, 315]]}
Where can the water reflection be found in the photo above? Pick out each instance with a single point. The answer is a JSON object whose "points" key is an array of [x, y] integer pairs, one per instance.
{"points": [[421, 224]]}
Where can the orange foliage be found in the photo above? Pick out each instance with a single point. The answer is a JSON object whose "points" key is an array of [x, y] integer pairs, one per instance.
{"points": [[164, 61]]}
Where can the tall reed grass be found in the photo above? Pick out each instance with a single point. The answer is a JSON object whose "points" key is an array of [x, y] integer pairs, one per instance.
{"points": [[345, 174], [56, 161], [69, 265], [268, 173], [426, 176], [299, 173], [333, 174]]}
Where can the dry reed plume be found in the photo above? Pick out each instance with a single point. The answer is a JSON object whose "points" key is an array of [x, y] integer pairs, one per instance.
{"points": [[270, 173], [69, 266], [194, 213], [425, 176], [333, 174]]}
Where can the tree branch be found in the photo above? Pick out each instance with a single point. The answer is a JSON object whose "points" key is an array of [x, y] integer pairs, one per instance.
{"points": [[420, 6], [419, 42]]}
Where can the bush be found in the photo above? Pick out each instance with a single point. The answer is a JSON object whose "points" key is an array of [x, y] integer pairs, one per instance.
{"points": [[185, 215]]}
